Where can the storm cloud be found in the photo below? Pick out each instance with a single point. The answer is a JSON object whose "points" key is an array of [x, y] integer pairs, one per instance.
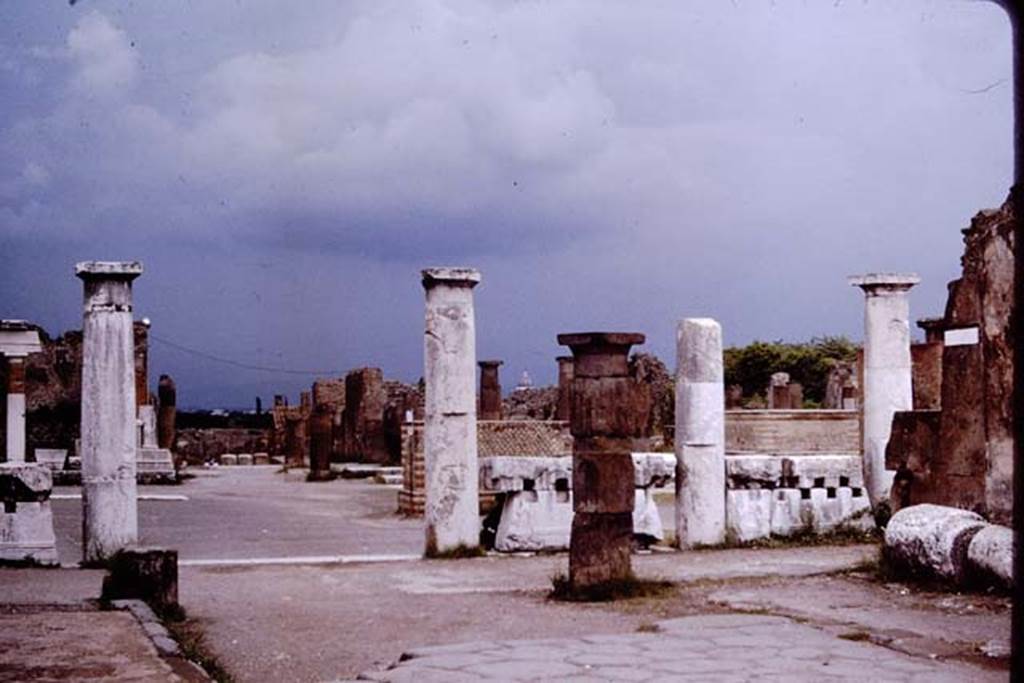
{"points": [[284, 172]]}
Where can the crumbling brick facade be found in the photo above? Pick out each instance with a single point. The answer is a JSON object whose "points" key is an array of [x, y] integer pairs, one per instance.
{"points": [[963, 455]]}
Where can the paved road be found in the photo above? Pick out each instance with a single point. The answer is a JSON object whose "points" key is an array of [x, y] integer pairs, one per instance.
{"points": [[247, 512], [731, 647], [314, 622]]}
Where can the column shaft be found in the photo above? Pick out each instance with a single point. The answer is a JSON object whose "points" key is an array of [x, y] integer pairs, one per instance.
{"points": [[108, 440], [888, 384], [452, 507], [15, 409], [700, 434]]}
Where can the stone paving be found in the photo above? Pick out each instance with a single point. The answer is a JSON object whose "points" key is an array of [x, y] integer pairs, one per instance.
{"points": [[729, 647]]}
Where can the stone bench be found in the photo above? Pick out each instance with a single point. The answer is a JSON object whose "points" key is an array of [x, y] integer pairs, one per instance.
{"points": [[538, 509], [786, 495], [26, 521]]}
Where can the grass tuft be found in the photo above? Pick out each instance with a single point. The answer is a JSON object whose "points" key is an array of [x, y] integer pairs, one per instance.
{"points": [[459, 552], [628, 588], [192, 639]]}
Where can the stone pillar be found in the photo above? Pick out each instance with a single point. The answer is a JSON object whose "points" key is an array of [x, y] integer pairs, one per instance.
{"points": [[490, 390], [700, 434], [15, 409], [609, 421], [109, 506], [167, 393], [452, 511], [888, 385], [321, 423], [147, 425], [565, 376]]}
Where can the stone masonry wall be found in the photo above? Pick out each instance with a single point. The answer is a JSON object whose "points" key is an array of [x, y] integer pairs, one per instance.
{"points": [[792, 431]]}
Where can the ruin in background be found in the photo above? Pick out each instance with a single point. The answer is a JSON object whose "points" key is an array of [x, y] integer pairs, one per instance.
{"points": [[960, 452]]}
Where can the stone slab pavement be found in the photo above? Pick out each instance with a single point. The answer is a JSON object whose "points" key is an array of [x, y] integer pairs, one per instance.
{"points": [[729, 647], [81, 643]]}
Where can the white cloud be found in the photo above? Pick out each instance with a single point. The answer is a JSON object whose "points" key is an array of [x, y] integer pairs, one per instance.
{"points": [[104, 58]]}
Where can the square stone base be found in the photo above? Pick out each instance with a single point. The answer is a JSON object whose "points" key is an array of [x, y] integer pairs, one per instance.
{"points": [[26, 535]]}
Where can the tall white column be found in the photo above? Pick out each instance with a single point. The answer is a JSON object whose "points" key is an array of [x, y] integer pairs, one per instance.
{"points": [[888, 375], [452, 507], [108, 436], [15, 409], [700, 434]]}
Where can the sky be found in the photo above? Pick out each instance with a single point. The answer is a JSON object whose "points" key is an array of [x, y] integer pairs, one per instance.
{"points": [[285, 170]]}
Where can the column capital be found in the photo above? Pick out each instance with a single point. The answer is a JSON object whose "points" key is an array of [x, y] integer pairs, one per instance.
{"points": [[450, 276], [490, 363], [108, 270], [884, 283], [19, 338]]}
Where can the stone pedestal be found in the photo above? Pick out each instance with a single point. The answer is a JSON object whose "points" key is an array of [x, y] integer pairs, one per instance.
{"points": [[888, 385], [609, 420], [700, 434], [565, 376], [490, 390], [26, 521], [109, 507], [320, 434], [451, 511], [167, 393]]}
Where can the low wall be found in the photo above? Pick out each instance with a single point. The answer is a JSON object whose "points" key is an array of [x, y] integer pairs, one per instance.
{"points": [[792, 431]]}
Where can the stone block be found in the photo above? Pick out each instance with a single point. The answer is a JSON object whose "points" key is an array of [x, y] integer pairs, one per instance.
{"points": [[646, 518], [786, 516], [53, 458], [654, 469], [932, 540], [510, 473], [26, 533], [245, 459], [229, 459], [748, 515], [147, 574], [535, 520], [603, 482], [990, 557], [753, 471], [261, 458], [24, 481], [600, 547], [822, 471]]}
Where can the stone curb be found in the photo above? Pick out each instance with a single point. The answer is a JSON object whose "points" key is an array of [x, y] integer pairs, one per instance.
{"points": [[157, 633]]}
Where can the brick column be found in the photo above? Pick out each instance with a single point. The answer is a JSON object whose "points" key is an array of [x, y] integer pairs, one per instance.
{"points": [[490, 390], [610, 412]]}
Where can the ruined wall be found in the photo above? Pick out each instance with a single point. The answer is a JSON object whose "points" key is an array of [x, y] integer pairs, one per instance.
{"points": [[792, 431], [362, 421], [963, 456], [197, 446], [926, 361], [53, 389]]}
